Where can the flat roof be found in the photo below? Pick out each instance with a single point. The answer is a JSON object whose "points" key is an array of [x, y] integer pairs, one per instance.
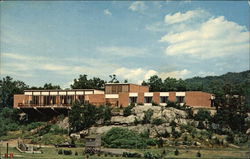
{"points": [[122, 84], [56, 90]]}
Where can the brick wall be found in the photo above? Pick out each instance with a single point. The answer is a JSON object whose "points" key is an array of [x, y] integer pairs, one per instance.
{"points": [[156, 97], [96, 99], [172, 96], [197, 98], [19, 99], [140, 98], [123, 99]]}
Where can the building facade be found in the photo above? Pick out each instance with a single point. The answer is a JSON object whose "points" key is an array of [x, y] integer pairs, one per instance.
{"points": [[116, 94]]}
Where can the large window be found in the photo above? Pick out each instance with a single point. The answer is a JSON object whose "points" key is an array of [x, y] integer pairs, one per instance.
{"points": [[163, 99], [35, 100], [180, 99], [132, 99], [147, 99]]}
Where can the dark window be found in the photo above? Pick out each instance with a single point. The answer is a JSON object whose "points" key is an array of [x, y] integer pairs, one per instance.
{"points": [[180, 99], [164, 99], [147, 99], [132, 99]]}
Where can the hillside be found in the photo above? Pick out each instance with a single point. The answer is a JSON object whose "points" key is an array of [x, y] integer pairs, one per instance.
{"points": [[206, 83]]}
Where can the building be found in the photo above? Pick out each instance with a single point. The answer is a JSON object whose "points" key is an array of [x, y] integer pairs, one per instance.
{"points": [[115, 94]]}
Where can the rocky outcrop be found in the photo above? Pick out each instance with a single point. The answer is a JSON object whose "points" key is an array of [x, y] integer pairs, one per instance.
{"points": [[118, 120]]}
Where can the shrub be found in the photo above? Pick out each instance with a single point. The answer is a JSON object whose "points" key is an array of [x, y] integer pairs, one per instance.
{"points": [[76, 153], [127, 111], [129, 154], [147, 116], [154, 103], [198, 154], [149, 155], [201, 125], [176, 152], [60, 151], [67, 152], [202, 115], [158, 121]]}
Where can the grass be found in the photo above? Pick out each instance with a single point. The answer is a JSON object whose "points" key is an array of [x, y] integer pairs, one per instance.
{"points": [[51, 153]]}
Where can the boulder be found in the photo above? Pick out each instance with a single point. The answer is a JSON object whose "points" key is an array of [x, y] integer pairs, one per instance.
{"points": [[123, 120], [75, 135], [101, 130], [64, 124]]}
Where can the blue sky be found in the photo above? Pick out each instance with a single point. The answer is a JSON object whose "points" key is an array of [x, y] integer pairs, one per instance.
{"points": [[56, 41]]}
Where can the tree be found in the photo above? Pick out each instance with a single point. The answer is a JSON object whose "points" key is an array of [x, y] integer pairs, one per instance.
{"points": [[84, 83], [155, 83], [113, 79], [50, 86], [9, 87]]}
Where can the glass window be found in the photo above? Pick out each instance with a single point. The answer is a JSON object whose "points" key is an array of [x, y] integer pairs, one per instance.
{"points": [[132, 99], [147, 99], [180, 99], [163, 99]]}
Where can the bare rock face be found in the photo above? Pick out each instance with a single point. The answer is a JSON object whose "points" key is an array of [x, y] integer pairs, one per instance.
{"points": [[102, 129], [139, 111], [64, 124], [129, 120]]}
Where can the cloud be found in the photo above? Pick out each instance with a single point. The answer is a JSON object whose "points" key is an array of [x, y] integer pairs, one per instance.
{"points": [[136, 75], [182, 17], [175, 74], [107, 12], [122, 51], [216, 37], [137, 6]]}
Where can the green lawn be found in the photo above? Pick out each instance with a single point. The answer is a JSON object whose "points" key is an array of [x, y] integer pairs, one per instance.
{"points": [[51, 153]]}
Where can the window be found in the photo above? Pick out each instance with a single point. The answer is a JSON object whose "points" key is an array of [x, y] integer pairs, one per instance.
{"points": [[163, 99], [147, 99], [132, 99], [35, 100], [180, 99]]}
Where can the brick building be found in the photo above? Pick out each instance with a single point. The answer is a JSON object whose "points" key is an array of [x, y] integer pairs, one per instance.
{"points": [[115, 94]]}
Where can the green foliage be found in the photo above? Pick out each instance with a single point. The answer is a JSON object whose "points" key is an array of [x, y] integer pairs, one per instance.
{"points": [[113, 79], [201, 125], [127, 110], [34, 125], [124, 138], [9, 87], [202, 115], [130, 154], [149, 155], [67, 152], [158, 121], [82, 117], [84, 83], [147, 116], [198, 154], [176, 152], [60, 152]]}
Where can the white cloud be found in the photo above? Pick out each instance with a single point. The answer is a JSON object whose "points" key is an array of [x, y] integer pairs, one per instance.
{"points": [[122, 51], [175, 74], [138, 6], [107, 12], [216, 37], [136, 75], [182, 17]]}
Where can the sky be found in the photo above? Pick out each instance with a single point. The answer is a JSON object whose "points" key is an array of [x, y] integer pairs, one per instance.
{"points": [[56, 41]]}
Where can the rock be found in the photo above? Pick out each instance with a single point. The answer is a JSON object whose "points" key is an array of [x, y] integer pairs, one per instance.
{"points": [[75, 135], [179, 113], [168, 115], [64, 124], [197, 143], [248, 131], [233, 146], [123, 120], [83, 133], [101, 130], [169, 129], [213, 137], [177, 129]]}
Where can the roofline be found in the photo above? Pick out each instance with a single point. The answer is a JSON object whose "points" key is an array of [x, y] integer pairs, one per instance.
{"points": [[54, 90], [123, 84]]}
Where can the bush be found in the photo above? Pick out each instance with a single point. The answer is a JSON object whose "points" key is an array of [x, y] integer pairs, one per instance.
{"points": [[154, 103], [60, 151], [127, 111], [124, 138], [202, 115], [158, 121], [198, 154], [147, 116], [67, 152], [201, 125], [176, 152], [129, 154], [149, 155], [76, 153]]}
